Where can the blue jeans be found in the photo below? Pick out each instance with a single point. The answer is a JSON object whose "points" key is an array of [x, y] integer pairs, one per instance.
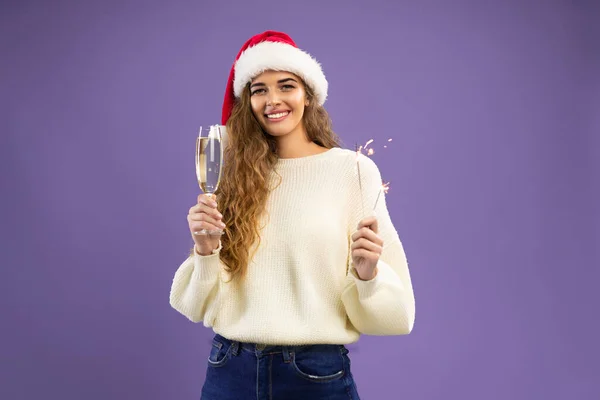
{"points": [[246, 371]]}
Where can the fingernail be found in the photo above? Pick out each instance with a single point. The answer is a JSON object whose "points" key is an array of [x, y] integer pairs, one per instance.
{"points": [[222, 225]]}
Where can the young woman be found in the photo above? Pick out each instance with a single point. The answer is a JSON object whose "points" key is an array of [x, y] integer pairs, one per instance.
{"points": [[305, 265]]}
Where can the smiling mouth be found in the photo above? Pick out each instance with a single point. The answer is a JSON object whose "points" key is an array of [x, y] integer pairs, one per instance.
{"points": [[276, 117]]}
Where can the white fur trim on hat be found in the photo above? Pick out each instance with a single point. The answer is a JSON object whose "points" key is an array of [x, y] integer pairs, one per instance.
{"points": [[279, 56]]}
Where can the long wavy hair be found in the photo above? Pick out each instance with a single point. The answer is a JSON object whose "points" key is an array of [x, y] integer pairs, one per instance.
{"points": [[249, 160]]}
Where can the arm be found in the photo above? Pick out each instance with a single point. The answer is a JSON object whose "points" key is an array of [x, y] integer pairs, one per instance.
{"points": [[195, 287], [384, 305]]}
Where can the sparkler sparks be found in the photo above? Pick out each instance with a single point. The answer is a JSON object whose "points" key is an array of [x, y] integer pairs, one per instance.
{"points": [[369, 150], [385, 187]]}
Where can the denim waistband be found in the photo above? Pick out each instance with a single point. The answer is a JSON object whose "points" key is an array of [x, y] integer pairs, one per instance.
{"points": [[264, 348]]}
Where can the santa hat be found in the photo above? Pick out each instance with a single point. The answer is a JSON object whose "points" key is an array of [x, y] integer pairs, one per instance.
{"points": [[276, 51]]}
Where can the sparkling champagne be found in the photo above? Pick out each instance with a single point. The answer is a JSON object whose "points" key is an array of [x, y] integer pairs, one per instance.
{"points": [[209, 156], [208, 163]]}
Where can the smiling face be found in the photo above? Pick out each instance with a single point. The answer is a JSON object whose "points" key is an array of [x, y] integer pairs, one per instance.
{"points": [[278, 99]]}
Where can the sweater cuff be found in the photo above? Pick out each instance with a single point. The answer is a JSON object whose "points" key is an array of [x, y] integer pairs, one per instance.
{"points": [[385, 276], [207, 267]]}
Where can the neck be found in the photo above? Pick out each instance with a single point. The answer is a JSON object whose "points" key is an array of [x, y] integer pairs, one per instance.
{"points": [[296, 144]]}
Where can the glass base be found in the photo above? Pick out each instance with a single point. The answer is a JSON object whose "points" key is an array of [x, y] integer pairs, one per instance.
{"points": [[209, 232]]}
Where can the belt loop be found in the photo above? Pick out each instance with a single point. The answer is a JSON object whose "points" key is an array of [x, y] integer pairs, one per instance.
{"points": [[235, 347], [287, 357]]}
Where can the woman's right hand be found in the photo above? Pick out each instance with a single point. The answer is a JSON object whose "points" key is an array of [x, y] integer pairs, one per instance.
{"points": [[204, 215]]}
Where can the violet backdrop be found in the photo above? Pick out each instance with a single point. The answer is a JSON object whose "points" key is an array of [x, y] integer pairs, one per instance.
{"points": [[493, 107]]}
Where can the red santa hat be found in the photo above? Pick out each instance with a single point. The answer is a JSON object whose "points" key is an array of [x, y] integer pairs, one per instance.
{"points": [[275, 51]]}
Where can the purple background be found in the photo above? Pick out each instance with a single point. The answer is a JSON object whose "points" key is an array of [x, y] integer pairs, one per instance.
{"points": [[494, 112]]}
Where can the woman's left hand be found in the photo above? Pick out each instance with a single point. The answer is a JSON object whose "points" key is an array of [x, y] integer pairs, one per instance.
{"points": [[366, 248]]}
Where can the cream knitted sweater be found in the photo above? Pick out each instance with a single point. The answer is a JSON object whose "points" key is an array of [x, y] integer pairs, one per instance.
{"points": [[301, 287]]}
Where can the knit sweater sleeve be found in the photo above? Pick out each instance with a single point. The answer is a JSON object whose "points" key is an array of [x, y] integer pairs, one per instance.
{"points": [[384, 305], [194, 291]]}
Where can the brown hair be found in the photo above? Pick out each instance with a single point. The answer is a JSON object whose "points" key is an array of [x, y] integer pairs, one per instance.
{"points": [[244, 187]]}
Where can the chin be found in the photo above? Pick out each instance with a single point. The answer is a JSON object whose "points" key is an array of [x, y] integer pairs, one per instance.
{"points": [[278, 131]]}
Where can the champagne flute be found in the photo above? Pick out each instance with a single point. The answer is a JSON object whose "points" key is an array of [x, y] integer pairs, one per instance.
{"points": [[209, 164]]}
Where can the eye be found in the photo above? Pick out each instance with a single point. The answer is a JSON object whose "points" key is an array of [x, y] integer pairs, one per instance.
{"points": [[288, 87], [257, 91]]}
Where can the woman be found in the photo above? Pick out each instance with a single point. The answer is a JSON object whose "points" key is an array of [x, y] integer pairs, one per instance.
{"points": [[303, 267]]}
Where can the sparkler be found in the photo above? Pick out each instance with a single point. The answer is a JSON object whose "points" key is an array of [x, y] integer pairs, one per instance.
{"points": [[385, 187], [358, 151]]}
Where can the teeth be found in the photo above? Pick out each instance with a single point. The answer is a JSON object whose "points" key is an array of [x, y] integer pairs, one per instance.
{"points": [[278, 115]]}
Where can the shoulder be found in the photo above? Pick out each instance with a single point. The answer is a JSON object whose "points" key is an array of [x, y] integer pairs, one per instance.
{"points": [[351, 160]]}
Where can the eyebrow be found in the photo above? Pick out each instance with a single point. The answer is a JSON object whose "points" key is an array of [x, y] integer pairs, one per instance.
{"points": [[279, 81]]}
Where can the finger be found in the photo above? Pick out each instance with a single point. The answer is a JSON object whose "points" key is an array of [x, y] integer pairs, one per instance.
{"points": [[202, 217], [367, 234], [198, 207], [203, 208], [204, 225], [362, 253], [369, 222], [204, 199], [375, 226], [367, 245]]}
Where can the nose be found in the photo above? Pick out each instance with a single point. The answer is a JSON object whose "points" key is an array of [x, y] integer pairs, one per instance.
{"points": [[273, 99]]}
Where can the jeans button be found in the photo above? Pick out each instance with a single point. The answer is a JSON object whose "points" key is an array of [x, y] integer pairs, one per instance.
{"points": [[260, 347]]}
